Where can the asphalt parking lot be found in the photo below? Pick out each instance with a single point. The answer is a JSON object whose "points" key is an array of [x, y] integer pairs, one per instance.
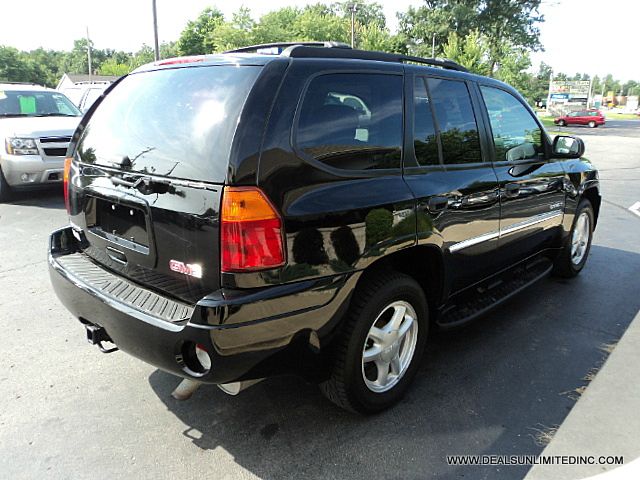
{"points": [[68, 411]]}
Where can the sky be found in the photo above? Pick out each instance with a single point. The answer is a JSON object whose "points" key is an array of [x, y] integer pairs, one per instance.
{"points": [[590, 36]]}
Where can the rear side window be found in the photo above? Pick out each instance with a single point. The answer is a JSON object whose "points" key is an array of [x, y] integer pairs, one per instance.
{"points": [[175, 122], [456, 121], [352, 121], [516, 135]]}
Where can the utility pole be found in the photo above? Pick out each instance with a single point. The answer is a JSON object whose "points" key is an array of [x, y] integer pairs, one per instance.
{"points": [[549, 94], [155, 31], [353, 7], [89, 53], [433, 46]]}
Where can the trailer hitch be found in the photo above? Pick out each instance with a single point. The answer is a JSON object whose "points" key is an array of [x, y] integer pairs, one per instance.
{"points": [[96, 335]]}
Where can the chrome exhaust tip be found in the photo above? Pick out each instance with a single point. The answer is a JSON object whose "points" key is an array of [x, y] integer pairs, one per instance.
{"points": [[235, 388]]}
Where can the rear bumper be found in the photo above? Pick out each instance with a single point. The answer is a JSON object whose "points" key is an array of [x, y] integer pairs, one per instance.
{"points": [[247, 334], [31, 170]]}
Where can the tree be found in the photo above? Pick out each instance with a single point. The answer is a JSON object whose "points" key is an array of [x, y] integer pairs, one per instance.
{"points": [[276, 26], [14, 67], [366, 14], [471, 51], [505, 24], [374, 37], [112, 67], [194, 39]]}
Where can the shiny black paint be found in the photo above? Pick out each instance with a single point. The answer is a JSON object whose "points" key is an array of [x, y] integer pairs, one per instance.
{"points": [[264, 323], [182, 225]]}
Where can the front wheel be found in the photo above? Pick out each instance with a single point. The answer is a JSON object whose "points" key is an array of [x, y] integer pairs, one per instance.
{"points": [[379, 350], [562, 123], [571, 260]]}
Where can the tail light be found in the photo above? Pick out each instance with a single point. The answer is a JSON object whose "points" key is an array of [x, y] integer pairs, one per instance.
{"points": [[65, 182], [251, 231]]}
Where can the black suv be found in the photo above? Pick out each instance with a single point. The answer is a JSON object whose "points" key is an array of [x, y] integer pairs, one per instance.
{"points": [[313, 210]]}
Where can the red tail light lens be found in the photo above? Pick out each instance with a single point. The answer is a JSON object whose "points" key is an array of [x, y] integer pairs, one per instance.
{"points": [[65, 182], [251, 233]]}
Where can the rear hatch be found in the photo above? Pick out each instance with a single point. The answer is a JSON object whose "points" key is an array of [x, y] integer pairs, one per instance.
{"points": [[150, 165]]}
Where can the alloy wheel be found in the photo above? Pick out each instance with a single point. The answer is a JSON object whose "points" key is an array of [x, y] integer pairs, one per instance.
{"points": [[580, 238], [390, 346]]}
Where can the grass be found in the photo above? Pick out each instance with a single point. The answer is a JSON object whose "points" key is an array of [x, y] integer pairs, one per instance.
{"points": [[547, 121], [544, 435], [621, 116]]}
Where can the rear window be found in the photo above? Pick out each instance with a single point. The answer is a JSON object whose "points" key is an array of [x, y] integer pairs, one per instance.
{"points": [[176, 122], [353, 121]]}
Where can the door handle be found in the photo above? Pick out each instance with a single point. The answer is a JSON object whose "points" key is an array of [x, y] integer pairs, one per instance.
{"points": [[512, 190], [438, 204]]}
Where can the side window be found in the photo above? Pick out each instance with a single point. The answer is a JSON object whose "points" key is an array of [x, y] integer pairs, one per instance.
{"points": [[516, 134], [456, 121], [352, 121], [424, 132]]}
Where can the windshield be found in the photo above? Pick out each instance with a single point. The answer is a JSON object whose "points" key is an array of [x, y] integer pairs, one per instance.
{"points": [[26, 103], [177, 122]]}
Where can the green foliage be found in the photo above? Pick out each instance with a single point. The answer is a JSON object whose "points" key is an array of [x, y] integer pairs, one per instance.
{"points": [[378, 225], [502, 23], [366, 13], [112, 67], [194, 39], [490, 37], [471, 51]]}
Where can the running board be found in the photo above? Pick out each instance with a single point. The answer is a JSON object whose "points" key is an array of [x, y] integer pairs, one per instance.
{"points": [[469, 306]]}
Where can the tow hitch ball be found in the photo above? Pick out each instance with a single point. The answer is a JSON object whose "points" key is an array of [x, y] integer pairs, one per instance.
{"points": [[96, 335]]}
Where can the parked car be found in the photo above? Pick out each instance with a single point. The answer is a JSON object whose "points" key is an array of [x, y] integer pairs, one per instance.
{"points": [[592, 118], [83, 90], [317, 212], [36, 125]]}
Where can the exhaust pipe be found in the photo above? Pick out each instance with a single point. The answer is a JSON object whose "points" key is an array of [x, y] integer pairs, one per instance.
{"points": [[236, 387]]}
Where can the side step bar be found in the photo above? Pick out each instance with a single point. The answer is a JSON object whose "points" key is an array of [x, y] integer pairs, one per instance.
{"points": [[492, 293]]}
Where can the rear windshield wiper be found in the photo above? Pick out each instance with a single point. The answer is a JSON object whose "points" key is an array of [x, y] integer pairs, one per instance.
{"points": [[145, 185]]}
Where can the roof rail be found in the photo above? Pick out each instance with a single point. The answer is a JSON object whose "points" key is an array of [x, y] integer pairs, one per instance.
{"points": [[305, 51], [285, 45]]}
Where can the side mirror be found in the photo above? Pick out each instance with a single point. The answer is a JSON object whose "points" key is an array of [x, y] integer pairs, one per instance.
{"points": [[566, 146]]}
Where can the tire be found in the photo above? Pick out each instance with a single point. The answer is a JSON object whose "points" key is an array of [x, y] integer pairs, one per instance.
{"points": [[5, 189], [573, 256], [592, 124], [562, 123], [361, 386]]}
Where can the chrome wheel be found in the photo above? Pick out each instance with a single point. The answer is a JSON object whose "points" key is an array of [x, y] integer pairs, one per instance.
{"points": [[389, 346], [580, 238]]}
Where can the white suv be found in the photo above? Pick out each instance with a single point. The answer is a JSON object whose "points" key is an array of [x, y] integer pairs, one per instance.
{"points": [[36, 125]]}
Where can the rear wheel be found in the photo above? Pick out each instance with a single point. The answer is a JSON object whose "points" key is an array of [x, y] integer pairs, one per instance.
{"points": [[5, 189], [592, 124], [379, 350], [574, 254]]}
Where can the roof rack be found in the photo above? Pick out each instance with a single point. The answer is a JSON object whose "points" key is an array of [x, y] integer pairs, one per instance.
{"points": [[284, 45], [304, 51]]}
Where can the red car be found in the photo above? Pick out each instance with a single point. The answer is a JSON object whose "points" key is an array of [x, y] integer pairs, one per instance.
{"points": [[593, 118]]}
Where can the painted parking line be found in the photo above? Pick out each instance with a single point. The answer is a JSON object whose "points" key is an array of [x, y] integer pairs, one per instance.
{"points": [[635, 208]]}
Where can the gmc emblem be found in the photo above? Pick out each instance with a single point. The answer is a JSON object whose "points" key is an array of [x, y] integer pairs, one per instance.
{"points": [[191, 269]]}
